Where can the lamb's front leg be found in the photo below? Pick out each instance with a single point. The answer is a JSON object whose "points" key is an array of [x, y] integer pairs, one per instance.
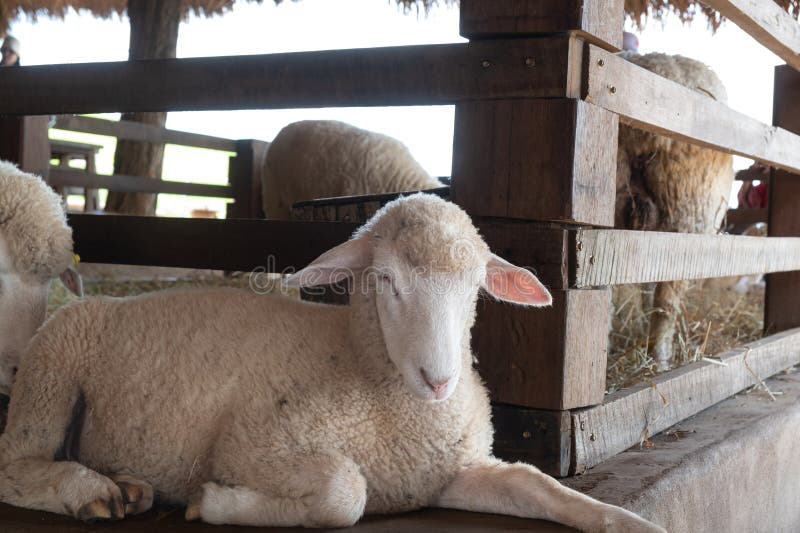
{"points": [[522, 490]]}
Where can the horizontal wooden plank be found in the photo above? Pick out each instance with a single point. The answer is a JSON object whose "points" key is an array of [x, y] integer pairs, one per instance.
{"points": [[403, 75], [767, 23], [646, 100], [628, 416], [67, 177], [614, 257], [235, 244], [137, 131]]}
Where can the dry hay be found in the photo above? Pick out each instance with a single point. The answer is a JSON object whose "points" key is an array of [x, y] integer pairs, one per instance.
{"points": [[714, 319]]}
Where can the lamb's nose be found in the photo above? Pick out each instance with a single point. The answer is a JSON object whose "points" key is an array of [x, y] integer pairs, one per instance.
{"points": [[438, 387]]}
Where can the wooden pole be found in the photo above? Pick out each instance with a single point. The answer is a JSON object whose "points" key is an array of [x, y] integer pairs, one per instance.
{"points": [[782, 305]]}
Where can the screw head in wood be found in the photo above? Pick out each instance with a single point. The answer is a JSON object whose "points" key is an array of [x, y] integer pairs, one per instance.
{"points": [[530, 62], [613, 89], [526, 434], [583, 425], [592, 437], [486, 63], [600, 63]]}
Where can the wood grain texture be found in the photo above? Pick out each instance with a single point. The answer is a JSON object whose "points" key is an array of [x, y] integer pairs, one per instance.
{"points": [[548, 358], [23, 140], [245, 171], [535, 436], [625, 417], [69, 177], [403, 75], [270, 245], [646, 100], [615, 257], [137, 131], [599, 20], [782, 306], [767, 23], [550, 160]]}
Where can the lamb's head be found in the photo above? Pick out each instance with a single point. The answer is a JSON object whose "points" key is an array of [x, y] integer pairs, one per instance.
{"points": [[421, 262], [35, 246]]}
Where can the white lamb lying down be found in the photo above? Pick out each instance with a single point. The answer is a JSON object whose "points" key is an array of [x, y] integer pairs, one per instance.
{"points": [[35, 247], [269, 411], [325, 158]]}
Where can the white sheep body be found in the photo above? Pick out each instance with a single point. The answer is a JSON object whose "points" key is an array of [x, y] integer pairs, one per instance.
{"points": [[669, 185], [260, 410], [35, 246], [315, 159]]}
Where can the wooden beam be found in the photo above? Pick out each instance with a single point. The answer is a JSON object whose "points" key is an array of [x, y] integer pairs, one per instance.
{"points": [[628, 416], [781, 306], [535, 160], [138, 131], [548, 358], [616, 257], [403, 75], [232, 244], [535, 436], [23, 140], [646, 100], [767, 23], [68, 177], [596, 20], [245, 176]]}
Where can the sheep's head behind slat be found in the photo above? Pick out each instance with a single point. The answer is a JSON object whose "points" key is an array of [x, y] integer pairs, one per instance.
{"points": [[421, 262], [35, 246]]}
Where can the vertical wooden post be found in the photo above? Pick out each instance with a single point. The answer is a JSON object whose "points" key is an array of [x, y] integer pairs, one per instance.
{"points": [[782, 305], [244, 176], [24, 141], [546, 160]]}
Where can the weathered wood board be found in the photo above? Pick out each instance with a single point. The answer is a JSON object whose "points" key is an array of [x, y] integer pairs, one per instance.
{"points": [[546, 358], [628, 416], [615, 257], [137, 131], [552, 160], [69, 177], [646, 100], [402, 75]]}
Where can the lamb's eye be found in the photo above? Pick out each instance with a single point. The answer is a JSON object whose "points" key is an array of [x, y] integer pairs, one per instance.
{"points": [[389, 282]]}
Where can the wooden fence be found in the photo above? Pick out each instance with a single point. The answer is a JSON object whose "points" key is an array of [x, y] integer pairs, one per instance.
{"points": [[539, 95], [244, 169]]}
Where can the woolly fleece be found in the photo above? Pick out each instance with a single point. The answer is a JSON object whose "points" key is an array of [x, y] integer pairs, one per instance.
{"points": [[33, 224], [315, 159]]}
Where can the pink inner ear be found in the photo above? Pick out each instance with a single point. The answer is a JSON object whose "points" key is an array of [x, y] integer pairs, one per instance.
{"points": [[513, 284]]}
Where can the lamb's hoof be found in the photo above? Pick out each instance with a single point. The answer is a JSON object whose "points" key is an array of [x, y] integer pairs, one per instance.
{"points": [[193, 511], [102, 510], [136, 495]]}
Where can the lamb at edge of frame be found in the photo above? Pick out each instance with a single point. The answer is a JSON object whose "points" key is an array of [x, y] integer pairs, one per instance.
{"points": [[261, 410]]}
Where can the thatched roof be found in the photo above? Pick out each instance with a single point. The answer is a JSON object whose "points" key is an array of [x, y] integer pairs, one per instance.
{"points": [[688, 10], [640, 11]]}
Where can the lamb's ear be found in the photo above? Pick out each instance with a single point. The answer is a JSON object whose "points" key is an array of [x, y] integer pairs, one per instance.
{"points": [[513, 284], [334, 265], [72, 280]]}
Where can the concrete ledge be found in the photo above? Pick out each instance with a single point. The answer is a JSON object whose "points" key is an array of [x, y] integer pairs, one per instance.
{"points": [[732, 467]]}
